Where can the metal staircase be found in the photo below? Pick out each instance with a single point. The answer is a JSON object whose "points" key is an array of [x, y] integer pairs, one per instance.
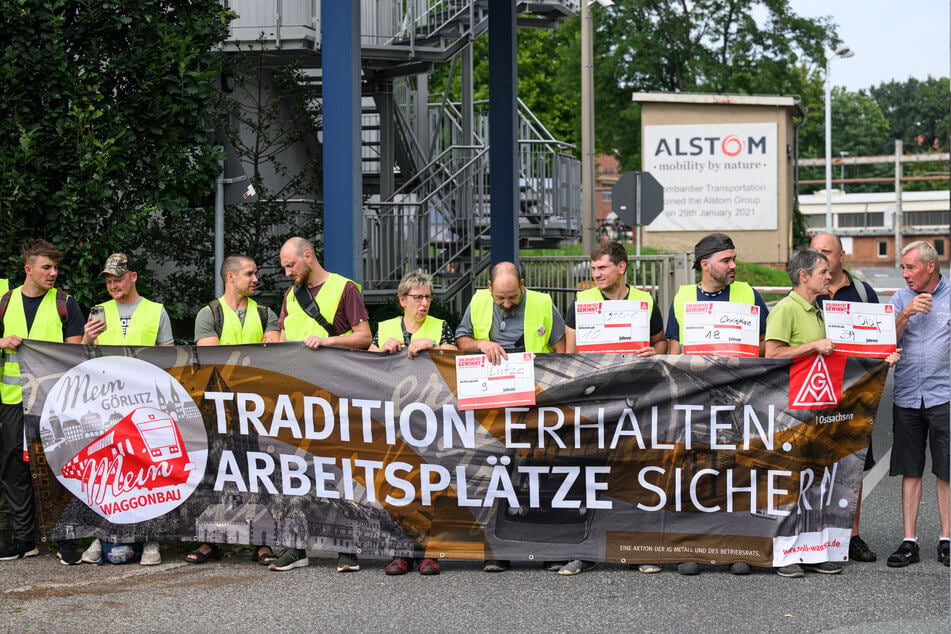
{"points": [[428, 200]]}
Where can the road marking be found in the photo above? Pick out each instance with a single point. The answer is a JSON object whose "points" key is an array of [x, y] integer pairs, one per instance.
{"points": [[875, 474]]}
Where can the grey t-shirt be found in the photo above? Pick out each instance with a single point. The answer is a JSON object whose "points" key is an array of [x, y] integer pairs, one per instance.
{"points": [[205, 322], [508, 326], [164, 336]]}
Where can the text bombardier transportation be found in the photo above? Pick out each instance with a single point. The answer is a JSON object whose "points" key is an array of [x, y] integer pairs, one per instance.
{"points": [[418, 425]]}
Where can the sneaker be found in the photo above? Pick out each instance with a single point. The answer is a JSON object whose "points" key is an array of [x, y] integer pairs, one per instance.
{"points": [[688, 568], [428, 567], [648, 569], [740, 568], [151, 555], [826, 568], [93, 554], [68, 555], [496, 565], [18, 550], [906, 554], [576, 566], [859, 551], [553, 566], [792, 571], [289, 559], [347, 562], [398, 566], [944, 552]]}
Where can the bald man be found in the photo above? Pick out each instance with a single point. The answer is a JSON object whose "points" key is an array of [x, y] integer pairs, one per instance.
{"points": [[507, 318]]}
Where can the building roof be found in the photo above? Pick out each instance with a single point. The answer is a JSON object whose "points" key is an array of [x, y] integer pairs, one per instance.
{"points": [[712, 98]]}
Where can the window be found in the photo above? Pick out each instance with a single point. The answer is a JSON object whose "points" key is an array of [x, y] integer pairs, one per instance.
{"points": [[882, 249], [939, 247], [606, 195]]}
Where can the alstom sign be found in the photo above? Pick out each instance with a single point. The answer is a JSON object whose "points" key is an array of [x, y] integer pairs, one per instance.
{"points": [[717, 177]]}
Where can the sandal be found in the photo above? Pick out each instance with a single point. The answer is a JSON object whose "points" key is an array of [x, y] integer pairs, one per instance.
{"points": [[198, 557], [264, 558]]}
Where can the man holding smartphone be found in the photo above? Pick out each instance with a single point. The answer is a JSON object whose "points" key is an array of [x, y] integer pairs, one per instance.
{"points": [[128, 319]]}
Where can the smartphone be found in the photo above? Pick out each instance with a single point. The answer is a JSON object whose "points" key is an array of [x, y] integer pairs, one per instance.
{"points": [[97, 313]]}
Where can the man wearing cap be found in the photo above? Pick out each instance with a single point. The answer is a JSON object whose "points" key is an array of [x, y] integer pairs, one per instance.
{"points": [[845, 288], [715, 258], [128, 320], [508, 318], [36, 310], [321, 309]]}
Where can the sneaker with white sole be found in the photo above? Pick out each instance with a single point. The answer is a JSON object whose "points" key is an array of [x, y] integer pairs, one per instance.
{"points": [[290, 558], [347, 562], [67, 553], [93, 554], [648, 569], [18, 550], [151, 555]]}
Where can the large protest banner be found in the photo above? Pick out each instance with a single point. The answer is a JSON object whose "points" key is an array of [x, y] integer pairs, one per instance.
{"points": [[662, 459]]}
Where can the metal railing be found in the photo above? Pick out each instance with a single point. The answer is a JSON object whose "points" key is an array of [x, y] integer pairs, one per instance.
{"points": [[563, 276]]}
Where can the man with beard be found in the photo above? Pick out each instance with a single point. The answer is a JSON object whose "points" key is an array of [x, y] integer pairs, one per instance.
{"points": [[321, 309], [128, 319], [715, 258]]}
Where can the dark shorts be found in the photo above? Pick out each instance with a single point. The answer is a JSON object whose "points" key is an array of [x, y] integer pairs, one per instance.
{"points": [[914, 429]]}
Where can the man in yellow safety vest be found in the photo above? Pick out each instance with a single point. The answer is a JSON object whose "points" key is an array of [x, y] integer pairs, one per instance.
{"points": [[36, 310]]}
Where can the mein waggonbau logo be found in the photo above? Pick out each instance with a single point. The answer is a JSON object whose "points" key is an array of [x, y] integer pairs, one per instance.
{"points": [[124, 437]]}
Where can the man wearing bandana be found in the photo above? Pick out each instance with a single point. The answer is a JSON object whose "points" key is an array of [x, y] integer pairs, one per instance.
{"points": [[508, 318], [715, 258]]}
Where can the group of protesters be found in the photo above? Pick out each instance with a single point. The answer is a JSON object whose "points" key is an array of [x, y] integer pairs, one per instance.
{"points": [[322, 308]]}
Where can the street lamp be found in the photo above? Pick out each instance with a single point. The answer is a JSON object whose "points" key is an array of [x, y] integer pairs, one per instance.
{"points": [[842, 51], [842, 155], [587, 125]]}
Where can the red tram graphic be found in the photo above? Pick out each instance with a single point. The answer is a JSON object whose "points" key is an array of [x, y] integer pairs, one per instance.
{"points": [[143, 450]]}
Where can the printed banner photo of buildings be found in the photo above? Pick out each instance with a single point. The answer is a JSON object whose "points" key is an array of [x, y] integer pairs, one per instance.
{"points": [[662, 459]]}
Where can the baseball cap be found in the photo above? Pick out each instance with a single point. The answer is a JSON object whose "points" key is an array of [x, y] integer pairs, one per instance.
{"points": [[118, 264]]}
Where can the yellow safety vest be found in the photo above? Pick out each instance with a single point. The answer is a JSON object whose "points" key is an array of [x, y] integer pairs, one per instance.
{"points": [[431, 329], [633, 294], [142, 329], [233, 331], [47, 326], [537, 323], [740, 292], [298, 325], [4, 286]]}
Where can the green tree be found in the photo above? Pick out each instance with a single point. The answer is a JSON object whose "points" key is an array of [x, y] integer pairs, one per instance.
{"points": [[266, 114], [917, 112], [105, 117]]}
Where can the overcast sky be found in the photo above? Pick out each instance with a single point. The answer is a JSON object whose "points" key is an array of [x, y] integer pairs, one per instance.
{"points": [[892, 39]]}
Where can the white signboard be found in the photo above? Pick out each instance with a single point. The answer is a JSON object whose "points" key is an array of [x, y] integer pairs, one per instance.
{"points": [[511, 383], [860, 329], [721, 177], [618, 325], [726, 329]]}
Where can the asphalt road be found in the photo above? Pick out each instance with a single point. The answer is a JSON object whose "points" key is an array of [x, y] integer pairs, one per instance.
{"points": [[40, 594]]}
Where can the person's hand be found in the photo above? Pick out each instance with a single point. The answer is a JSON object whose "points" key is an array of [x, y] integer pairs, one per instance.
{"points": [[391, 345], [920, 304], [418, 345], [647, 351], [313, 342], [824, 346], [893, 358], [92, 330], [493, 352], [10, 342]]}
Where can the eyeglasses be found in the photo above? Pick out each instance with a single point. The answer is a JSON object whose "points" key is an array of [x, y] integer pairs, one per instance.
{"points": [[420, 298]]}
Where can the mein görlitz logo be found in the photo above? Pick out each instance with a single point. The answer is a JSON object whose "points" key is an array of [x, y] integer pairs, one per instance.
{"points": [[124, 437]]}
